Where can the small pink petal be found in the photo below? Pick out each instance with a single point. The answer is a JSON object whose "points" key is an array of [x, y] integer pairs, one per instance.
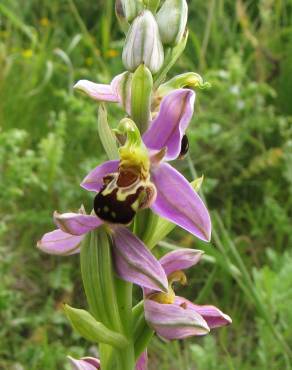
{"points": [[85, 363], [99, 92], [94, 180], [213, 316], [76, 223], [142, 363], [60, 243], [171, 321], [180, 259]]}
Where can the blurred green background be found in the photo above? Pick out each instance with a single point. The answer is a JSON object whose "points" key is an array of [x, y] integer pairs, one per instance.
{"points": [[241, 140]]}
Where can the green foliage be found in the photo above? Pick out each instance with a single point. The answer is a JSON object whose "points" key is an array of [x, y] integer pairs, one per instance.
{"points": [[241, 139], [275, 282]]}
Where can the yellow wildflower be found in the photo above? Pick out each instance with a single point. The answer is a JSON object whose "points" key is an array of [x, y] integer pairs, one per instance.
{"points": [[27, 53], [45, 22], [111, 53]]}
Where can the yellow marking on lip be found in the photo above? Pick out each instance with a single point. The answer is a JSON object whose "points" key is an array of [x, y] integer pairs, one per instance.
{"points": [[169, 297]]}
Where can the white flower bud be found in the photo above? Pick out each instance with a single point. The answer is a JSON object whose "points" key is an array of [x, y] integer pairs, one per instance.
{"points": [[143, 44], [172, 19], [128, 9]]}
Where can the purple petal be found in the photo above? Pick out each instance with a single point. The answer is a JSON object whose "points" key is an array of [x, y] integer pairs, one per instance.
{"points": [[142, 363], [85, 363], [180, 259], [213, 316], [168, 129], [94, 180], [178, 202], [60, 243], [171, 321], [99, 92], [76, 223], [135, 263]]}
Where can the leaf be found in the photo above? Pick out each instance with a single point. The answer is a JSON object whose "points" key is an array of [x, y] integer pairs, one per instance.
{"points": [[94, 331], [106, 135]]}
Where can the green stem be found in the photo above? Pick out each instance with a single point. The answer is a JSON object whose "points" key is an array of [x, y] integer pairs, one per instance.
{"points": [[106, 24], [142, 332], [124, 296], [109, 298]]}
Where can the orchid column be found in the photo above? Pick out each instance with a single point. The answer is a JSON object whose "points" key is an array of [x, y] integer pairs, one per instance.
{"points": [[138, 199]]}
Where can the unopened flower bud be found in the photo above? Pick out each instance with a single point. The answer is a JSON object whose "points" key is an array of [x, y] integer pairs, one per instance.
{"points": [[172, 19], [128, 9], [143, 44]]}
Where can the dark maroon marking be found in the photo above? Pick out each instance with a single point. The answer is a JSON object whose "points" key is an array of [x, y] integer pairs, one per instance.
{"points": [[184, 305], [110, 209], [185, 145], [126, 178]]}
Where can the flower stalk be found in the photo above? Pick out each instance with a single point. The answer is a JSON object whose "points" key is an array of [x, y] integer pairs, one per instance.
{"points": [[104, 290], [138, 198]]}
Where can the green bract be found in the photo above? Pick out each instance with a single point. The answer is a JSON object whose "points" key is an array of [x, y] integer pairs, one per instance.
{"points": [[141, 91]]}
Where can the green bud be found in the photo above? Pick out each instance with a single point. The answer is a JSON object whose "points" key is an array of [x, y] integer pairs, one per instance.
{"points": [[172, 20], [92, 330], [141, 93], [143, 44]]}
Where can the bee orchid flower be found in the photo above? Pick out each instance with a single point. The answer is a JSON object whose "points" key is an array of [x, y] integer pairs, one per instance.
{"points": [[174, 317], [142, 177]]}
